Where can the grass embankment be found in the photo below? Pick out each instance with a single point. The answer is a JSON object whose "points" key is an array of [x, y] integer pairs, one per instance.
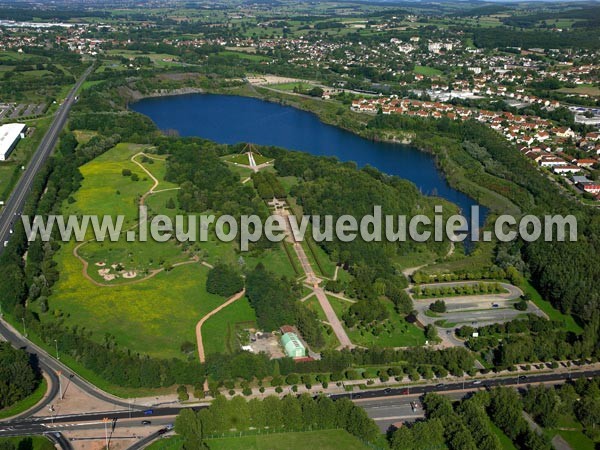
{"points": [[318, 259], [568, 321], [323, 440], [26, 403], [28, 443]]}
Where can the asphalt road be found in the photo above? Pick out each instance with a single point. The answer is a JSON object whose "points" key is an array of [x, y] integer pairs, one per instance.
{"points": [[379, 404], [51, 367], [59, 440], [13, 207]]}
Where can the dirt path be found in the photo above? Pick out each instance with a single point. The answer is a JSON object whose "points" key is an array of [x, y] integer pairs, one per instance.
{"points": [[201, 353], [152, 177], [152, 273]]}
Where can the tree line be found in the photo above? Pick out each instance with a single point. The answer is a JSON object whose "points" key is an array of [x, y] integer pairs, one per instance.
{"points": [[287, 414], [18, 376]]}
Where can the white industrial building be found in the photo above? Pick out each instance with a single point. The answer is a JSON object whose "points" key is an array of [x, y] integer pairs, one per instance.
{"points": [[10, 134]]}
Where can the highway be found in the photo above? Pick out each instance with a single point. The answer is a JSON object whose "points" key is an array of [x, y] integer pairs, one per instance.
{"points": [[385, 406], [13, 207]]}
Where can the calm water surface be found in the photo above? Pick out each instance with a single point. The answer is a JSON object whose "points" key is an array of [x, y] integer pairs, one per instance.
{"points": [[231, 119]]}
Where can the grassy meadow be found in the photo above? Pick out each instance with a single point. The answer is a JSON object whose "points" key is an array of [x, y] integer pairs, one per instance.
{"points": [[153, 315]]}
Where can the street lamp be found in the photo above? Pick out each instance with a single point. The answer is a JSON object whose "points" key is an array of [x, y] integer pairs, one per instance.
{"points": [[60, 396], [56, 345], [105, 420], [24, 329]]}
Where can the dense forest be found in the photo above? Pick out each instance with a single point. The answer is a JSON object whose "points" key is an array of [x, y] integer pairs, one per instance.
{"points": [[18, 378], [274, 301], [328, 187]]}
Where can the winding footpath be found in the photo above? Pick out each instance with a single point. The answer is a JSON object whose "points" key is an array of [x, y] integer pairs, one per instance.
{"points": [[151, 273], [201, 353]]}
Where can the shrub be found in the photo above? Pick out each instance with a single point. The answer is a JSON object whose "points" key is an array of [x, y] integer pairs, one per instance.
{"points": [[438, 306]]}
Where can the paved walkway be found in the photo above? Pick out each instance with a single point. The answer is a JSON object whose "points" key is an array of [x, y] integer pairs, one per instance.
{"points": [[314, 281]]}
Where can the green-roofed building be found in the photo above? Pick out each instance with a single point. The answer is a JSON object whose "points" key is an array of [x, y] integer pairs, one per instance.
{"points": [[293, 346]]}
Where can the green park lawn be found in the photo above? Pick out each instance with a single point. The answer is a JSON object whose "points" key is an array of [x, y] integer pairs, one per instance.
{"points": [[260, 159], [571, 430], [428, 71], [240, 158], [105, 190], [575, 438], [584, 89], [322, 440], [152, 316], [83, 136], [170, 443], [219, 332], [319, 260], [289, 87]]}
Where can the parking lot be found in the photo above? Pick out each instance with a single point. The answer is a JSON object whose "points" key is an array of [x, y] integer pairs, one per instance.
{"points": [[16, 110], [474, 310]]}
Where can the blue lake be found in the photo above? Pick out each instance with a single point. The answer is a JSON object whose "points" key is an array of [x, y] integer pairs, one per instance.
{"points": [[232, 119]]}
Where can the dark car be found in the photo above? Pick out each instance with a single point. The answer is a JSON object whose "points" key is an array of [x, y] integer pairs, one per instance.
{"points": [[387, 391], [522, 377], [162, 431], [440, 385], [146, 422]]}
